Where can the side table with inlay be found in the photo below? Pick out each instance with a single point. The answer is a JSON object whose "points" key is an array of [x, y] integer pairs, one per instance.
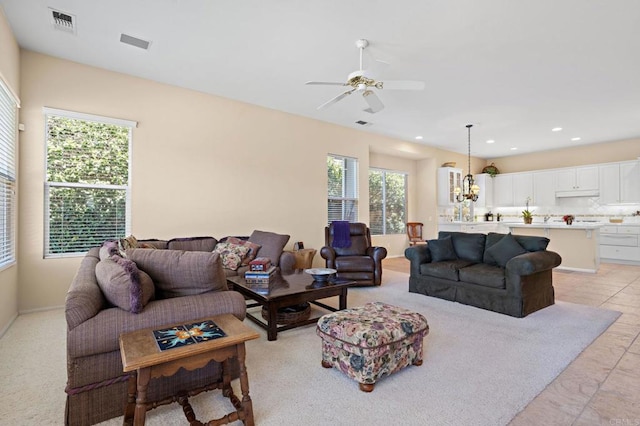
{"points": [[142, 356]]}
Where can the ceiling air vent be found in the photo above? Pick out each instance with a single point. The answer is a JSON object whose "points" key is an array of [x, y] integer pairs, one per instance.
{"points": [[363, 123], [63, 21], [134, 41]]}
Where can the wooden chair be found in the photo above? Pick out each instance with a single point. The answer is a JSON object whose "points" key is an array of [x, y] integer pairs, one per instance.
{"points": [[414, 232]]}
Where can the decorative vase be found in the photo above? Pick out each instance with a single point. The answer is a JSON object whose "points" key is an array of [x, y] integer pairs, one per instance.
{"points": [[528, 220], [569, 221]]}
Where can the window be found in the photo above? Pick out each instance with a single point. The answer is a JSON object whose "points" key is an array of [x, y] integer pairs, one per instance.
{"points": [[342, 188], [387, 202], [8, 137], [87, 181]]}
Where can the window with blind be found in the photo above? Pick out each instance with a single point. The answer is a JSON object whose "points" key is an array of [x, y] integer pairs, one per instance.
{"points": [[387, 202], [87, 181], [8, 138], [342, 188]]}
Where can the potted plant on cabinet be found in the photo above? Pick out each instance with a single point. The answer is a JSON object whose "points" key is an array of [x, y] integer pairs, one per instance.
{"points": [[527, 215]]}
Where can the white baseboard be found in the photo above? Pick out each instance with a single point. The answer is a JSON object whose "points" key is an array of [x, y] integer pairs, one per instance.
{"points": [[6, 327], [48, 308]]}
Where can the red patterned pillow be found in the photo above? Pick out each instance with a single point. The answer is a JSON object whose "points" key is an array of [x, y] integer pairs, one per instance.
{"points": [[253, 248]]}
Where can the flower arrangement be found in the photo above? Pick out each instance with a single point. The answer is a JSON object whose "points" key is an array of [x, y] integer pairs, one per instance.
{"points": [[568, 218], [526, 213]]}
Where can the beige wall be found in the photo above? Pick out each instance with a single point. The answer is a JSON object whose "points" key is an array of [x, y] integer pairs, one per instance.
{"points": [[10, 74], [202, 165], [585, 154]]}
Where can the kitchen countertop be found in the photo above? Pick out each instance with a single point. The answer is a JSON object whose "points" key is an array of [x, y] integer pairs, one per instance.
{"points": [[557, 225]]}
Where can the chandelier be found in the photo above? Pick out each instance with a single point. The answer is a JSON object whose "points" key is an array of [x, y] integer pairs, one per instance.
{"points": [[469, 190]]}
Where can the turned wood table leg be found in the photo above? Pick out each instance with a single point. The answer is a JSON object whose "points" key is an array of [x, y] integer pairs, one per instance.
{"points": [[130, 406], [247, 406], [144, 375], [367, 387]]}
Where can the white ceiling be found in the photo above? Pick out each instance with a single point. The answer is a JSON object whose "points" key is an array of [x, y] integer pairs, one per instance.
{"points": [[513, 68]]}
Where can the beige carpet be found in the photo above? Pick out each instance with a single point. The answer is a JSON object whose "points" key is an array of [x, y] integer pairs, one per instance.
{"points": [[480, 368]]}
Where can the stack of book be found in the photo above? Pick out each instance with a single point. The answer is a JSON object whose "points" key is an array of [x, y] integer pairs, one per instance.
{"points": [[260, 278]]}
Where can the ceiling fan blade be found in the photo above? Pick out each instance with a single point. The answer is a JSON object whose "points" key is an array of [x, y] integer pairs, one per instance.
{"points": [[336, 99], [403, 85], [378, 68], [325, 83], [374, 102]]}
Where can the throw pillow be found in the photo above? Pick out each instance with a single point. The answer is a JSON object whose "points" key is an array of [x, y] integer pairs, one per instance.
{"points": [[253, 248], [272, 244], [123, 284], [231, 254], [505, 249], [109, 248], [441, 249], [177, 273]]}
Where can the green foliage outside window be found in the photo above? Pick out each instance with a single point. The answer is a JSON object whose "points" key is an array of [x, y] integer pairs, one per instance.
{"points": [[87, 179], [387, 202]]}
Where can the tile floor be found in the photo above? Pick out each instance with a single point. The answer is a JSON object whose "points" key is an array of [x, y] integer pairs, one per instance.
{"points": [[602, 385]]}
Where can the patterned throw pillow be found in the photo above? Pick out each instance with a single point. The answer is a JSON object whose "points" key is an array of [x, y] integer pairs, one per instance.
{"points": [[253, 248], [231, 254]]}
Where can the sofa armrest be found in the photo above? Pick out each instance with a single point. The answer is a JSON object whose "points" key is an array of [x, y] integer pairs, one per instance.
{"points": [[377, 253], [532, 262], [417, 255], [328, 253], [84, 298], [287, 261]]}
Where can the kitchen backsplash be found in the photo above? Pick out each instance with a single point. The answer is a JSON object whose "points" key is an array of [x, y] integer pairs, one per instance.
{"points": [[583, 208]]}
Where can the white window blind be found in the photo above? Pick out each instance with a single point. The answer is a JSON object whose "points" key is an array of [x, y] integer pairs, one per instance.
{"points": [[342, 173], [8, 138], [87, 181]]}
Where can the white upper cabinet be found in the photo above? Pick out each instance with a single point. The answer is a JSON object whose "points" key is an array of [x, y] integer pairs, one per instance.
{"points": [[503, 190], [485, 182], [448, 179], [522, 189], [577, 179], [543, 184], [619, 182]]}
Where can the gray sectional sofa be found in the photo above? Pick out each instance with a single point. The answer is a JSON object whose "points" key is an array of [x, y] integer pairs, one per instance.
{"points": [[188, 283], [509, 274]]}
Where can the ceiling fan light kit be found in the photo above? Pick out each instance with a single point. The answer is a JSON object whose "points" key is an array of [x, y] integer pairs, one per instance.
{"points": [[363, 81]]}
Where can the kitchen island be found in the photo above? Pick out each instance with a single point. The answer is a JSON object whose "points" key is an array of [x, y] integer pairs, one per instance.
{"points": [[578, 244]]}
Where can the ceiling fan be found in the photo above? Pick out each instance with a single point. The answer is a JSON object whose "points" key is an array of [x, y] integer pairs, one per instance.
{"points": [[363, 81]]}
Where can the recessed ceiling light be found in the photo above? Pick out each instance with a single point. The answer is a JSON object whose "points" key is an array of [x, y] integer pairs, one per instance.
{"points": [[575, 139], [491, 141], [514, 148], [556, 129], [419, 138]]}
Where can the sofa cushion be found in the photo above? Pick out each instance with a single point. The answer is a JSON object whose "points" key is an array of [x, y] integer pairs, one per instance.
{"points": [[181, 273], [355, 264], [505, 249], [484, 275], [253, 248], [192, 244], [123, 285], [447, 269], [231, 254], [468, 246], [528, 242], [441, 249], [271, 244]]}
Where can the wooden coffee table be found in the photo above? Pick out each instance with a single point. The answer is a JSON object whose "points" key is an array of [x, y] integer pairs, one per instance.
{"points": [[140, 354], [288, 289]]}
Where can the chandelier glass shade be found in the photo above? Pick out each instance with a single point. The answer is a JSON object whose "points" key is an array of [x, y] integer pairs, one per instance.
{"points": [[469, 190]]}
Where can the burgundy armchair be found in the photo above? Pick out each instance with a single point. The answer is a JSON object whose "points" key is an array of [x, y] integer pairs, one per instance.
{"points": [[360, 261]]}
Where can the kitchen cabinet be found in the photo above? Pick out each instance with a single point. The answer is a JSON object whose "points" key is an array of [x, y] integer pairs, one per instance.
{"points": [[619, 182], [503, 190], [449, 178], [577, 178], [485, 182], [522, 189], [543, 195], [620, 243]]}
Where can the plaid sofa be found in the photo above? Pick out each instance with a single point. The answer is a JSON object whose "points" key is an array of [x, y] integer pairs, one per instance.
{"points": [[96, 385]]}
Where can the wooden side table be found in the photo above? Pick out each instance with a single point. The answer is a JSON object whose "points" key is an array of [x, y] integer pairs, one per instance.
{"points": [[141, 355], [304, 258]]}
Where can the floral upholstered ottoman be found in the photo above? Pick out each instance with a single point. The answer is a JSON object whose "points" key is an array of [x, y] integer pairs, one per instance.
{"points": [[371, 341]]}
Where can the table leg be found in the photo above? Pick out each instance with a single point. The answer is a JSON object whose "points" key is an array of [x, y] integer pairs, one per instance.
{"points": [[247, 406], [144, 375], [343, 299], [272, 327], [130, 406]]}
